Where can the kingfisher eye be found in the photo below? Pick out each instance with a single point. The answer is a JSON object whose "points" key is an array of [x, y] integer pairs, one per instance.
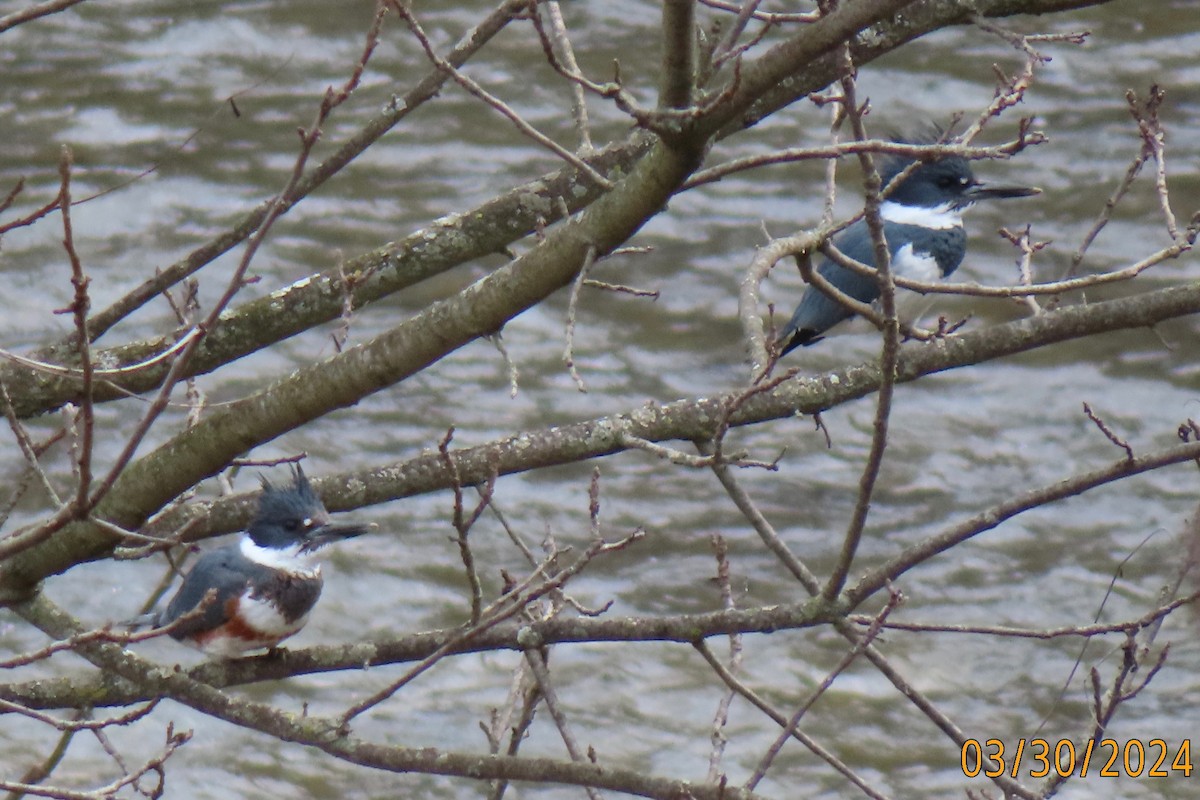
{"points": [[291, 524], [950, 181]]}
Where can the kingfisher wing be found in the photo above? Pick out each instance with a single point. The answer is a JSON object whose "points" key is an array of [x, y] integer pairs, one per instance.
{"points": [[818, 312], [221, 570]]}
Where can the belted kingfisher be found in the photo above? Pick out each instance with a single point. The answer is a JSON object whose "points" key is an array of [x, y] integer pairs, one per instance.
{"points": [[922, 222], [258, 592]]}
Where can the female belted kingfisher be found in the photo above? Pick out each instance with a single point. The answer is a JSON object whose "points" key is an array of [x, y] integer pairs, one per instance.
{"points": [[922, 222], [258, 592]]}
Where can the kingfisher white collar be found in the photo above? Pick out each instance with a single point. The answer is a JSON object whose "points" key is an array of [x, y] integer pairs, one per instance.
{"points": [[941, 217]]}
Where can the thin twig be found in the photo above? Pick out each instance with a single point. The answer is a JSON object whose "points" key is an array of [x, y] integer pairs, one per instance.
{"points": [[890, 347], [499, 105], [463, 523], [771, 17], [28, 450], [101, 373], [107, 634], [510, 366], [558, 28], [537, 666], [1102, 219], [728, 44], [1037, 289], [589, 258], [761, 526], [666, 120], [621, 288], [837, 149], [991, 517], [1109, 433], [721, 716], [513, 536], [1105, 705], [1154, 141], [780, 719], [861, 644], [39, 772], [837, 116], [1023, 241], [35, 11], [155, 765], [523, 692], [749, 291], [1146, 621], [79, 308], [632, 442], [12, 195], [1012, 89], [502, 609]]}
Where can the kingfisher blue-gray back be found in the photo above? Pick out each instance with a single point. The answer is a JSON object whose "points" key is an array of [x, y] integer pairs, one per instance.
{"points": [[259, 591], [922, 223]]}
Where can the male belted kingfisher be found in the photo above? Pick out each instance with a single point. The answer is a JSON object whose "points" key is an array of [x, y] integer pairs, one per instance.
{"points": [[258, 592], [922, 222]]}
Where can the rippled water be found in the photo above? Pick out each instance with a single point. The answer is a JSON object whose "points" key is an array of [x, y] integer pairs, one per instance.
{"points": [[145, 84]]}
